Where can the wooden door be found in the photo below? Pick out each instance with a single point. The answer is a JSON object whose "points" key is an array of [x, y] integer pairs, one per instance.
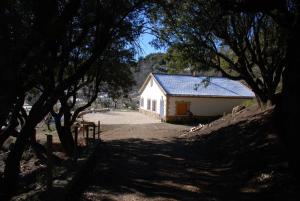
{"points": [[181, 108]]}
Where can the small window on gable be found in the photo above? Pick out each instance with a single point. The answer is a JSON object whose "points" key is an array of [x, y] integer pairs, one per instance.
{"points": [[151, 82], [153, 105], [148, 104]]}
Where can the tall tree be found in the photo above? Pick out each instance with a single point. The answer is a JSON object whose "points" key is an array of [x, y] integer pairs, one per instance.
{"points": [[39, 42], [286, 13], [203, 30], [111, 72]]}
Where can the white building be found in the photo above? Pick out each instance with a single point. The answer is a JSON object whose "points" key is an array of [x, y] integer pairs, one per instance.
{"points": [[176, 97]]}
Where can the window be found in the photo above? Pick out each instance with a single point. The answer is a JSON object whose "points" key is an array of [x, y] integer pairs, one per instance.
{"points": [[151, 82], [142, 102], [148, 104], [153, 105], [181, 108]]}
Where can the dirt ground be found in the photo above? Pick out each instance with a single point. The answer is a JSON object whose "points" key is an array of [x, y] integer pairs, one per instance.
{"points": [[117, 125], [120, 117], [153, 162], [134, 147], [120, 125]]}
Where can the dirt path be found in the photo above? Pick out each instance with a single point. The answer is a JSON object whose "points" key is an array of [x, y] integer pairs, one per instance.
{"points": [[143, 167], [135, 169], [144, 162], [117, 125], [120, 117], [141, 162]]}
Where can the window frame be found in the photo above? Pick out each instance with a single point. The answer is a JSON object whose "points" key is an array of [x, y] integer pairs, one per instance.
{"points": [[148, 104], [142, 102], [153, 105]]}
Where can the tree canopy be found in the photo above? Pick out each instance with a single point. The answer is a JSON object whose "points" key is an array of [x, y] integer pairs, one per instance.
{"points": [[268, 18], [51, 46], [248, 46]]}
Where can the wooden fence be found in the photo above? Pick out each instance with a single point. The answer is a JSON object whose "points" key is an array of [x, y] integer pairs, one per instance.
{"points": [[78, 126]]}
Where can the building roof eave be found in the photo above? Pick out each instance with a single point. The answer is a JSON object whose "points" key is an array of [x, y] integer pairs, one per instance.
{"points": [[156, 81], [210, 96]]}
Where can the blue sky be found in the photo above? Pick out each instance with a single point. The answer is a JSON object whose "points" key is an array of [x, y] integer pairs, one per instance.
{"points": [[144, 40]]}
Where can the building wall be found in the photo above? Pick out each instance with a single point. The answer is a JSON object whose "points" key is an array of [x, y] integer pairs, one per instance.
{"points": [[204, 107], [153, 92]]}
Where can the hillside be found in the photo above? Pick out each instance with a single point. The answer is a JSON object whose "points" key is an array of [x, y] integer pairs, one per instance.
{"points": [[233, 158], [247, 146], [157, 63], [151, 63]]}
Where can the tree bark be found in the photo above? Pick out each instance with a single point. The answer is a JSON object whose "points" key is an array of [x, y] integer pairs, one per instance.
{"points": [[12, 168], [65, 136], [288, 110]]}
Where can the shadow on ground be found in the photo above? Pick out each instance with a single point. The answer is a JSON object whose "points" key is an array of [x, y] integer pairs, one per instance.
{"points": [[223, 166]]}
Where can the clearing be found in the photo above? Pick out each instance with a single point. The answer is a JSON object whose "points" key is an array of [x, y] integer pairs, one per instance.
{"points": [[116, 125], [240, 160]]}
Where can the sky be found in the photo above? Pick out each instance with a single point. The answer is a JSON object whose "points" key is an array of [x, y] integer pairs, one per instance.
{"points": [[144, 40]]}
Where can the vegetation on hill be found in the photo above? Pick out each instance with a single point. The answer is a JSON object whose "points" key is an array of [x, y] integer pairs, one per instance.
{"points": [[170, 62], [252, 156], [154, 62]]}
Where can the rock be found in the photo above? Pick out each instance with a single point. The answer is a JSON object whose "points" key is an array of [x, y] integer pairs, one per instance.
{"points": [[237, 109], [196, 128], [205, 126]]}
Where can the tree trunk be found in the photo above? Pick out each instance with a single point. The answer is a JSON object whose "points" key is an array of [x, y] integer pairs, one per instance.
{"points": [[65, 137], [288, 111], [12, 168], [115, 104]]}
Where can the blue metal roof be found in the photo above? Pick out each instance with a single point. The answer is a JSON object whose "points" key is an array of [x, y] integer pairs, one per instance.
{"points": [[184, 85]]}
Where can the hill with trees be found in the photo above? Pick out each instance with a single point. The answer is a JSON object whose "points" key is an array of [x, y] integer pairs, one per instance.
{"points": [[170, 62]]}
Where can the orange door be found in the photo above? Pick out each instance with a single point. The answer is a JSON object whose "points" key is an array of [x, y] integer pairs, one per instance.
{"points": [[181, 108]]}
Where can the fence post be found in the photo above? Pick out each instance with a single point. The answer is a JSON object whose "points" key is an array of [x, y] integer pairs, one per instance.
{"points": [[94, 131], [76, 142], [98, 129], [87, 134], [83, 127], [49, 163]]}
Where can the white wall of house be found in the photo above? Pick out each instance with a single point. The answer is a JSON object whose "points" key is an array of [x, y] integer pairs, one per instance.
{"points": [[205, 106], [153, 92]]}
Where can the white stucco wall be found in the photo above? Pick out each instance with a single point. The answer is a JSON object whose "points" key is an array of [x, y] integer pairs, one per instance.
{"points": [[205, 106], [153, 93]]}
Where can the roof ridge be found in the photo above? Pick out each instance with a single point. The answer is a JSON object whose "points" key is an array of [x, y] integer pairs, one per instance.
{"points": [[176, 74]]}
